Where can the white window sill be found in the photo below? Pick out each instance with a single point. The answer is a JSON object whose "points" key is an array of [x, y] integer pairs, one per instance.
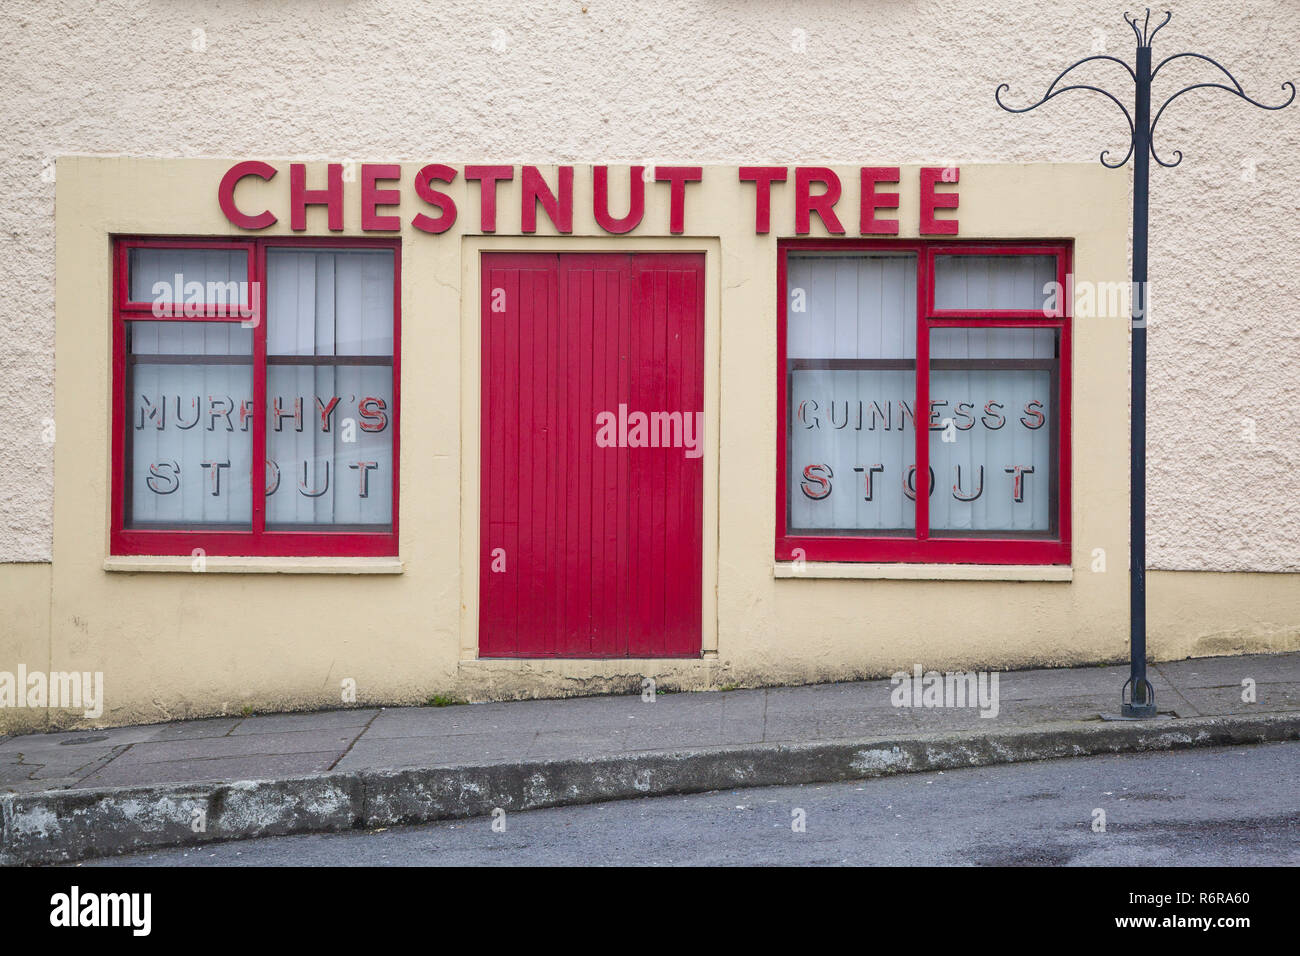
{"points": [[925, 572], [258, 565]]}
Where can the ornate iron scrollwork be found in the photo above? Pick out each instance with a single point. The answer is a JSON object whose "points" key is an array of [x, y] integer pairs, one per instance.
{"points": [[1145, 34]]}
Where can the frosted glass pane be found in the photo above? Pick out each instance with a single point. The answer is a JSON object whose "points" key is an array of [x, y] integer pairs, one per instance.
{"points": [[329, 445], [993, 282], [950, 343], [852, 447], [991, 450], [213, 276], [190, 338], [326, 302], [189, 445], [851, 306]]}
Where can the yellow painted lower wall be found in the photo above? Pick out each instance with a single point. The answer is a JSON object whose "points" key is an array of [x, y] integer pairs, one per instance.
{"points": [[1202, 614], [180, 659], [24, 634]]}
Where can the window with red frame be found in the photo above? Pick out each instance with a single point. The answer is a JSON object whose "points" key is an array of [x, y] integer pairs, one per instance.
{"points": [[902, 360], [255, 397]]}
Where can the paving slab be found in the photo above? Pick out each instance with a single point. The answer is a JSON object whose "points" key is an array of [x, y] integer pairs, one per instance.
{"points": [[208, 769], [83, 740], [484, 749], [1270, 698], [790, 724], [1230, 671], [303, 741], [311, 722], [1075, 682], [195, 729]]}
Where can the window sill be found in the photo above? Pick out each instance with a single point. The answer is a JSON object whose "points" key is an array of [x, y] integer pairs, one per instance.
{"points": [[254, 565], [925, 572]]}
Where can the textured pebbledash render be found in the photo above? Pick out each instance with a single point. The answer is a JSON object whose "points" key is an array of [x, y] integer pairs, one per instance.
{"points": [[723, 82]]}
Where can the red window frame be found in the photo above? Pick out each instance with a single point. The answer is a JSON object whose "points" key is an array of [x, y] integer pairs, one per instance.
{"points": [[175, 310], [922, 547], [259, 541]]}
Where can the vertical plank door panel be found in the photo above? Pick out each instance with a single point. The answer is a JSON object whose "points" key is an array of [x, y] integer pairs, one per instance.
{"points": [[602, 543]]}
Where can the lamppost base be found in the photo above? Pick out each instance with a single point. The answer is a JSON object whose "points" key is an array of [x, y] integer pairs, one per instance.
{"points": [[1143, 708], [1135, 712]]}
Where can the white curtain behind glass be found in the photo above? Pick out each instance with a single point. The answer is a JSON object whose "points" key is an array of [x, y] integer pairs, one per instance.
{"points": [[322, 302], [992, 282], [851, 307], [1001, 419], [330, 424], [151, 269], [323, 479], [854, 307], [190, 448], [861, 427]]}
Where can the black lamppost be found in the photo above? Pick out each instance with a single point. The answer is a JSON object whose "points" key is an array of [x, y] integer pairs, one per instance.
{"points": [[1141, 698]]}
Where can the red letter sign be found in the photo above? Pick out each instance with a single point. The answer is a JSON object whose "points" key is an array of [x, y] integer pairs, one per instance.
{"points": [[487, 196], [435, 172], [930, 200], [226, 194], [679, 176], [872, 200], [762, 177], [536, 191], [372, 196], [300, 197], [823, 204], [600, 200]]}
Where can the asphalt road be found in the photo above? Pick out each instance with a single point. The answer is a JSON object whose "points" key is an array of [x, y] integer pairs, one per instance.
{"points": [[1237, 806]]}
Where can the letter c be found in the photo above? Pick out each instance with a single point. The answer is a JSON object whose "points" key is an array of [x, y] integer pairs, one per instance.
{"points": [[226, 194]]}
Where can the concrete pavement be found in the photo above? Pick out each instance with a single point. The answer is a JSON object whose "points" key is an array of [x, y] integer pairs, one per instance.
{"points": [[75, 794], [1219, 807]]}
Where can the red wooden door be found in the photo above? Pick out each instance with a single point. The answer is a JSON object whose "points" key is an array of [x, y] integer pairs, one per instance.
{"points": [[592, 517]]}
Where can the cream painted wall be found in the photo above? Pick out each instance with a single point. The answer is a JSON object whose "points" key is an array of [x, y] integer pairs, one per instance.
{"points": [[173, 643], [752, 81], [180, 643]]}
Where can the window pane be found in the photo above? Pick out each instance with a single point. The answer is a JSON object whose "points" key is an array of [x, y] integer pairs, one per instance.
{"points": [[991, 448], [175, 276], [329, 446], [851, 306], [189, 426], [189, 338], [992, 282], [852, 445], [949, 343], [326, 302]]}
